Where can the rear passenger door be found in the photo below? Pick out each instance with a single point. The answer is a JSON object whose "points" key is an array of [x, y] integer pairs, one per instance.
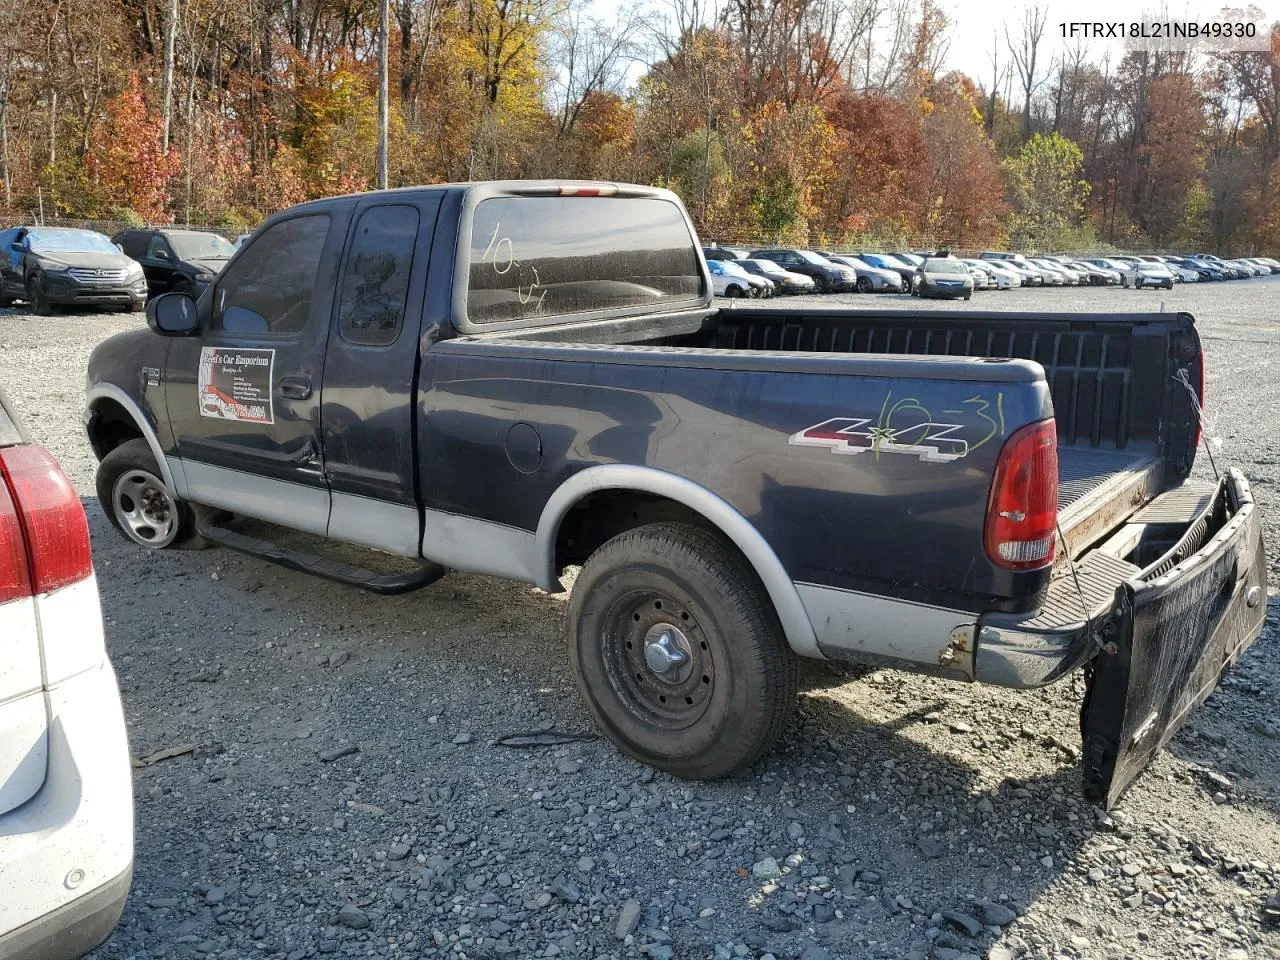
{"points": [[367, 403], [157, 263], [244, 395]]}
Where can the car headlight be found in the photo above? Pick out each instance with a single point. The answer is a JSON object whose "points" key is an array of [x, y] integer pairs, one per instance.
{"points": [[53, 267]]}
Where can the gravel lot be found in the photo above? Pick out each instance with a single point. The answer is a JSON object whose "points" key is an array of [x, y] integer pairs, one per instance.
{"points": [[347, 797]]}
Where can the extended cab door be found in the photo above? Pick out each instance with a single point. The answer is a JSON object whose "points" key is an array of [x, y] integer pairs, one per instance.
{"points": [[244, 395], [368, 405]]}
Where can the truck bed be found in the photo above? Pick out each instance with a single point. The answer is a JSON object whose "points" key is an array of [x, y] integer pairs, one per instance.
{"points": [[1109, 377]]}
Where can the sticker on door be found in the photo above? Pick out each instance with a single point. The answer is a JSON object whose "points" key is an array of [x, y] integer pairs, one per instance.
{"points": [[235, 384]]}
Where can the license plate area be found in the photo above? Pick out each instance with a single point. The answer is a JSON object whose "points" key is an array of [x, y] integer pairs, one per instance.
{"points": [[1174, 630]]}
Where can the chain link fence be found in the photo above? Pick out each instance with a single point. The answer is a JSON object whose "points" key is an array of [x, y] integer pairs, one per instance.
{"points": [[110, 228]]}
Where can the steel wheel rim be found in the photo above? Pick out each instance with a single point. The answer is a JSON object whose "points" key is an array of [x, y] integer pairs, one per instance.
{"points": [[144, 508], [677, 697]]}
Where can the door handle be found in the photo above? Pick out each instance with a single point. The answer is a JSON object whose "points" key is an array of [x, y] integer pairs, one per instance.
{"points": [[295, 388]]}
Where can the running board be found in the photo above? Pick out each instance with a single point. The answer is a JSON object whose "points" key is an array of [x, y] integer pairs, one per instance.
{"points": [[381, 583]]}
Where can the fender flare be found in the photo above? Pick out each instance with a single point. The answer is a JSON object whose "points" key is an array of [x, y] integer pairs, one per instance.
{"points": [[719, 512], [109, 391]]}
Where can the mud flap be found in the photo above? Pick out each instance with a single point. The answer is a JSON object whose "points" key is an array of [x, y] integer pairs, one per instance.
{"points": [[1174, 631]]}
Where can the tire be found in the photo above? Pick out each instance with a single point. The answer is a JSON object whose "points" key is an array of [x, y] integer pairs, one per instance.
{"points": [[733, 293], [1168, 284], [820, 285], [138, 504], [682, 588], [863, 285], [38, 297], [137, 307], [906, 286], [967, 296]]}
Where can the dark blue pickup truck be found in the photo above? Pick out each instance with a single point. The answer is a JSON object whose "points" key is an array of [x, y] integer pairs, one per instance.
{"points": [[516, 378]]}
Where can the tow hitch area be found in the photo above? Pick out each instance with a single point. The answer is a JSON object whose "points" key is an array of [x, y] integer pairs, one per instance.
{"points": [[1175, 629]]}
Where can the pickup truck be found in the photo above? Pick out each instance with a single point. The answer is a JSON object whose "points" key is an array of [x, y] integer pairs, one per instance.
{"points": [[515, 378]]}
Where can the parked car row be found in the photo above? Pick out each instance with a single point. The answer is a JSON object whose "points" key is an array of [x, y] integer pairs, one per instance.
{"points": [[49, 267], [737, 272]]}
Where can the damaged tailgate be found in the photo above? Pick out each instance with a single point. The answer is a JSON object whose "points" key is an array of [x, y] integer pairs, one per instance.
{"points": [[1174, 630]]}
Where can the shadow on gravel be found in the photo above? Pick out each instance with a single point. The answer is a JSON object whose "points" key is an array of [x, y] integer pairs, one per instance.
{"points": [[907, 814]]}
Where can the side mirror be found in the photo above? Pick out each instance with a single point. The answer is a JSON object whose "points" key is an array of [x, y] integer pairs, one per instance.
{"points": [[16, 247], [162, 254], [173, 315]]}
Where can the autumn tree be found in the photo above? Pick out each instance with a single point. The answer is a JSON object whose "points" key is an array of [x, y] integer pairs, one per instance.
{"points": [[129, 169], [1045, 190]]}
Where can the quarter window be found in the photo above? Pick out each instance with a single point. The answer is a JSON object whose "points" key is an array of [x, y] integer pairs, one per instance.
{"points": [[268, 290], [375, 284]]}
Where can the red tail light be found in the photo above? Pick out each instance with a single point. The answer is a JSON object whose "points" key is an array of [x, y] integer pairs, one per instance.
{"points": [[49, 516], [1022, 512], [14, 580]]}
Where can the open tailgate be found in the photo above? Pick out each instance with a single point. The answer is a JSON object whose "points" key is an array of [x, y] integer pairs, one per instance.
{"points": [[1174, 630]]}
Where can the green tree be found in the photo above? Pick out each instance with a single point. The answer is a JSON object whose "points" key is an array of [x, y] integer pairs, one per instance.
{"points": [[1045, 190]]}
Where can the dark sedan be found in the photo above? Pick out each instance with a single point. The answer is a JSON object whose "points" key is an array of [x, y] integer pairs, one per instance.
{"points": [[943, 278], [827, 277]]}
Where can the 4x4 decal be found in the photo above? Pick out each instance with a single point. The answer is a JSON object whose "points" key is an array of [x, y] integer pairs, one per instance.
{"points": [[931, 442]]}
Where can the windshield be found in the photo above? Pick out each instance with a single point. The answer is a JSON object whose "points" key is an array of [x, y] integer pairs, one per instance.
{"points": [[764, 266], [910, 258], [811, 257], [69, 241], [732, 269], [1150, 267], [200, 246], [854, 262], [943, 266]]}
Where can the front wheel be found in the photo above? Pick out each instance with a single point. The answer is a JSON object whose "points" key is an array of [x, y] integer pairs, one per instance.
{"points": [[138, 503], [733, 293], [38, 297], [967, 296], [864, 285], [678, 652]]}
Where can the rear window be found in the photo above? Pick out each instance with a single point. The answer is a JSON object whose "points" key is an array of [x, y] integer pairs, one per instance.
{"points": [[553, 256]]}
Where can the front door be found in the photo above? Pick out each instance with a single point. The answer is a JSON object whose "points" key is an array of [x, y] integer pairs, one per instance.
{"points": [[158, 263], [244, 395]]}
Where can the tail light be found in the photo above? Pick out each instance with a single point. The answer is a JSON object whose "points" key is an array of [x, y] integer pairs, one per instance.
{"points": [[49, 518], [1022, 512], [15, 581]]}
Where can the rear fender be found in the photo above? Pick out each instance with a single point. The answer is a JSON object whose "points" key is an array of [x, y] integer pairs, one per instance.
{"points": [[721, 514]]}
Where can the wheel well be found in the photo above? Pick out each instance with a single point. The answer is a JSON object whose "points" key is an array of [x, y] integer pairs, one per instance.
{"points": [[601, 516], [111, 426]]}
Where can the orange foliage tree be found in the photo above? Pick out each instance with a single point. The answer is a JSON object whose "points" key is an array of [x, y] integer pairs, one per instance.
{"points": [[129, 170]]}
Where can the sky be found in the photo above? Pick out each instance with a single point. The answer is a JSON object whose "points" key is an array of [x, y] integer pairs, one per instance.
{"points": [[978, 23]]}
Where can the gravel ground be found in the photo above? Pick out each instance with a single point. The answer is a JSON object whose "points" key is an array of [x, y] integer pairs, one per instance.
{"points": [[347, 795]]}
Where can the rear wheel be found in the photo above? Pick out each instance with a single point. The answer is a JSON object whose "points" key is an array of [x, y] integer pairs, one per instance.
{"points": [[864, 284], [678, 652], [138, 503]]}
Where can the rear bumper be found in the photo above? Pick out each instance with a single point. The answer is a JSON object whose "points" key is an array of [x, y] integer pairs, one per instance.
{"points": [[73, 840], [73, 929]]}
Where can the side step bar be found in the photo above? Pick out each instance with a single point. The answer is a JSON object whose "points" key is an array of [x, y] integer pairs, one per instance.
{"points": [[381, 583]]}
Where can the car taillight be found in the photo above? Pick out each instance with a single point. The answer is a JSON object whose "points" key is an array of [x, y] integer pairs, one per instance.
{"points": [[1022, 511], [15, 581], [50, 518]]}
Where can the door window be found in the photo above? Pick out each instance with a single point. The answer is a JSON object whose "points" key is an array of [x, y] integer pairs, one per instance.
{"points": [[375, 282], [268, 290], [158, 249]]}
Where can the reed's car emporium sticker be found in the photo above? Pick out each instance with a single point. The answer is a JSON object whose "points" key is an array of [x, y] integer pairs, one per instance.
{"points": [[235, 384]]}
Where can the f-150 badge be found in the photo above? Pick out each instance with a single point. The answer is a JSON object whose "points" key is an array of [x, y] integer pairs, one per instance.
{"points": [[931, 442]]}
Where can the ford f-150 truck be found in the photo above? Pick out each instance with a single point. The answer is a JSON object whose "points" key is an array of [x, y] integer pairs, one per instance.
{"points": [[515, 378]]}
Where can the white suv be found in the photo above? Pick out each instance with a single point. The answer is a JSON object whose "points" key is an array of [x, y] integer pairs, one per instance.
{"points": [[66, 799]]}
